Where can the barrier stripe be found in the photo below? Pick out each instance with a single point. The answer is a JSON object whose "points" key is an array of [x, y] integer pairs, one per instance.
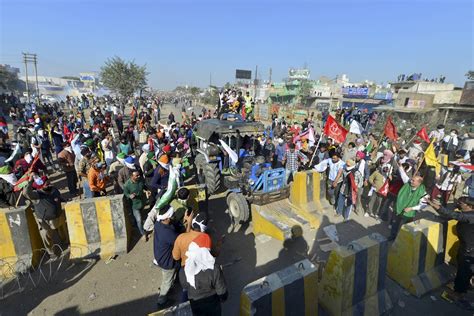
{"points": [[6, 240], [360, 278], [263, 305], [443, 231], [294, 297], [89, 216], [423, 248], [316, 187], [119, 220], [432, 246], [19, 232], [372, 267], [278, 302], [77, 234], [106, 229], [310, 290], [383, 254], [309, 188]]}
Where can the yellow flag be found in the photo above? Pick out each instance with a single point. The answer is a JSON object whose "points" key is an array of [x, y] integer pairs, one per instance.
{"points": [[431, 159]]}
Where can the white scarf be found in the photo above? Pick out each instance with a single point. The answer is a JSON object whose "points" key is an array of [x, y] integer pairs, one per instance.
{"points": [[199, 259]]}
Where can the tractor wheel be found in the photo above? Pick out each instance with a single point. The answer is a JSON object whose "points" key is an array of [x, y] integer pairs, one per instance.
{"points": [[199, 163], [212, 177], [238, 207]]}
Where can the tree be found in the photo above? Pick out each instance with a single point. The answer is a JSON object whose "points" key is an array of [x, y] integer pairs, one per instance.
{"points": [[123, 77], [8, 79], [470, 75], [194, 91]]}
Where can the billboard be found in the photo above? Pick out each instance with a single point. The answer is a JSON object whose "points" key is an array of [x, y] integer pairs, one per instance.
{"points": [[355, 92], [87, 77], [298, 74], [243, 74]]}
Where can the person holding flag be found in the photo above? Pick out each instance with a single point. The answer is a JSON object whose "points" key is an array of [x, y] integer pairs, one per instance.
{"points": [[411, 198]]}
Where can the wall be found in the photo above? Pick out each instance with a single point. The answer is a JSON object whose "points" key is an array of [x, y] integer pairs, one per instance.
{"points": [[415, 100]]}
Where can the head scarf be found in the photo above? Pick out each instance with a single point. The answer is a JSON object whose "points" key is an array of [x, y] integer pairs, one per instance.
{"points": [[387, 156]]}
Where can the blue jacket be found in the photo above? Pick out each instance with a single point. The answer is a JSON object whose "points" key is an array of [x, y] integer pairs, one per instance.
{"points": [[163, 242]]}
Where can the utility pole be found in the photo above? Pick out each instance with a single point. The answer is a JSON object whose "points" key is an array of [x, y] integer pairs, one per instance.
{"points": [[255, 84], [31, 58], [270, 77]]}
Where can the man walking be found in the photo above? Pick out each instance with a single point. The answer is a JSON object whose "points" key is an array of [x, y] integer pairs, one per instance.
{"points": [[165, 235], [134, 190], [66, 159], [291, 158]]}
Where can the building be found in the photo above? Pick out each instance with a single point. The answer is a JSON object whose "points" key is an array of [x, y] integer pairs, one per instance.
{"points": [[443, 92]]}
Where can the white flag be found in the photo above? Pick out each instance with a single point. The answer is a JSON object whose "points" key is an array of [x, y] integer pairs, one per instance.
{"points": [[232, 154], [356, 128]]}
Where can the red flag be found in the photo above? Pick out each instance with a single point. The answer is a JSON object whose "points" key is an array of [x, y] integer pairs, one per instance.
{"points": [[335, 130], [384, 189], [423, 135], [390, 130], [23, 181]]}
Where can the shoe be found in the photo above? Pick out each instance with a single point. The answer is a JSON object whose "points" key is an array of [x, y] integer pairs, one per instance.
{"points": [[162, 300], [366, 214]]}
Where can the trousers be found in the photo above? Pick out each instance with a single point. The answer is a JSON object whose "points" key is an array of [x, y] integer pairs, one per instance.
{"points": [[167, 280]]}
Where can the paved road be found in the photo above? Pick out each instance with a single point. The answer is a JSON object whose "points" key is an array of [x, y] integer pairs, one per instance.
{"points": [[129, 284]]}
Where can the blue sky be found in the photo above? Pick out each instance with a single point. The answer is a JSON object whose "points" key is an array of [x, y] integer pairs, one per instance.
{"points": [[182, 42]]}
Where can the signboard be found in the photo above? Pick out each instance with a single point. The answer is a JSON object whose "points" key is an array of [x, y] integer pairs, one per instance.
{"points": [[87, 77], [263, 112], [355, 92], [243, 74], [383, 96], [298, 74]]}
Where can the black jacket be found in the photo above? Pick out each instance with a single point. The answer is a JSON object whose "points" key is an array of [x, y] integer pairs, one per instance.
{"points": [[465, 229]]}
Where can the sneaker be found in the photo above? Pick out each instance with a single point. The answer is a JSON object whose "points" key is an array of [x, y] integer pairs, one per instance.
{"points": [[366, 214]]}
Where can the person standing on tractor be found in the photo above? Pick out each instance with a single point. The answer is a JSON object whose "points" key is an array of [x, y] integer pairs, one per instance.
{"points": [[248, 106]]}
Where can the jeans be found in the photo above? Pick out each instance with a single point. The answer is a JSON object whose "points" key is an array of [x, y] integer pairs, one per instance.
{"points": [[288, 173], [397, 222], [375, 203], [167, 280], [386, 209], [87, 190], [464, 273], [342, 208], [333, 193], [138, 219]]}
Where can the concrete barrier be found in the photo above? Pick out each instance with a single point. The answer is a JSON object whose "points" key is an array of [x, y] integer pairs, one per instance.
{"points": [[416, 258], [291, 291], [305, 195], [452, 243], [353, 281], [98, 227], [183, 309], [20, 241]]}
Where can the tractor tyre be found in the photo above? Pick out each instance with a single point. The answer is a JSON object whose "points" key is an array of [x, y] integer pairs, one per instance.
{"points": [[212, 177], [238, 207]]}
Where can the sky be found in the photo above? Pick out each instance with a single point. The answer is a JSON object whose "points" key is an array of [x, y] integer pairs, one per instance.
{"points": [[184, 42]]}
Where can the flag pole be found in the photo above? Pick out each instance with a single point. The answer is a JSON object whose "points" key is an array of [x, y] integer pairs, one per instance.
{"points": [[419, 164], [315, 149]]}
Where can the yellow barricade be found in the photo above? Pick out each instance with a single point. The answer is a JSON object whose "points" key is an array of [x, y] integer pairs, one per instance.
{"points": [[305, 195], [291, 291], [353, 281], [183, 309], [416, 258], [452, 243], [20, 241], [98, 227]]}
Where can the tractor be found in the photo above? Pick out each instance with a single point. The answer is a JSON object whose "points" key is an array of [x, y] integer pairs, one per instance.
{"points": [[251, 180]]}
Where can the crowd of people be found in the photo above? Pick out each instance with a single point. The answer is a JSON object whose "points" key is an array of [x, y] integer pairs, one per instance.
{"points": [[102, 150]]}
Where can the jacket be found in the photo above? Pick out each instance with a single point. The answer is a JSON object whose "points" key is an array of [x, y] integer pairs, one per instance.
{"points": [[47, 205], [163, 242], [377, 180], [464, 228], [96, 180], [208, 283], [130, 187], [66, 159]]}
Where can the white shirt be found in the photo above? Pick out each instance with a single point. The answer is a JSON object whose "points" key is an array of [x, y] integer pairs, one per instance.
{"points": [[333, 167]]}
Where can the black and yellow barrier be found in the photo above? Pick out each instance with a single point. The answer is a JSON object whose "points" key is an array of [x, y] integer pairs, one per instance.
{"points": [[353, 281], [98, 227], [452, 243], [183, 309], [291, 291], [416, 258], [20, 241], [305, 195]]}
